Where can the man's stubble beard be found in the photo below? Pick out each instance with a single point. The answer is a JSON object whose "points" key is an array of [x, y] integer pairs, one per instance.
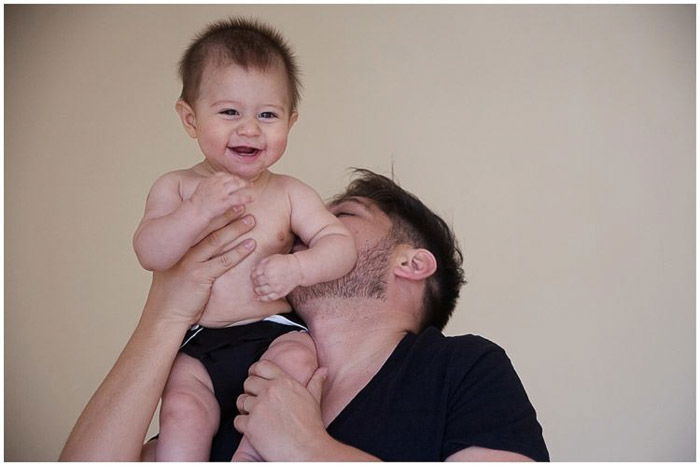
{"points": [[365, 280]]}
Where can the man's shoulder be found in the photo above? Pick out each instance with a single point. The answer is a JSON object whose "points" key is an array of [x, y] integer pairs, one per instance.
{"points": [[458, 354], [461, 344]]}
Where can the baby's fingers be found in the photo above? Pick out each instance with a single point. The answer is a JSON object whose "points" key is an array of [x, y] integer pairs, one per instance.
{"points": [[259, 273], [239, 197], [266, 293], [260, 281], [269, 297]]}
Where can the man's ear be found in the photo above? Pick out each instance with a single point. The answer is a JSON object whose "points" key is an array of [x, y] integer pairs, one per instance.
{"points": [[187, 116], [415, 264]]}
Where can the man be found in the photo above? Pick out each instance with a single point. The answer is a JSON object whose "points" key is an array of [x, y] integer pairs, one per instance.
{"points": [[389, 385]]}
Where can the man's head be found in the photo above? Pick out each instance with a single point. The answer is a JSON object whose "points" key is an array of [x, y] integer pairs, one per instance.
{"points": [[403, 220], [246, 43]]}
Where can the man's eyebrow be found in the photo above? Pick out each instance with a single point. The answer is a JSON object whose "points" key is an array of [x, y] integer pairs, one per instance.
{"points": [[353, 200]]}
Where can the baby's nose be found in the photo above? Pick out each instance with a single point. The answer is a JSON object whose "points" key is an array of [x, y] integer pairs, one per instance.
{"points": [[248, 127]]}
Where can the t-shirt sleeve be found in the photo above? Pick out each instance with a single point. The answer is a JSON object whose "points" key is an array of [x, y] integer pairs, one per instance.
{"points": [[488, 407]]}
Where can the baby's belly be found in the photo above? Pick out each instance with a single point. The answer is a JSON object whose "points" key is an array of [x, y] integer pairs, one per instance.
{"points": [[233, 300]]}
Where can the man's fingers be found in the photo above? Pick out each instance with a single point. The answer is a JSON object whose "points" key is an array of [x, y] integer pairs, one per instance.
{"points": [[315, 385], [240, 422], [222, 239], [227, 217], [253, 385], [241, 402], [217, 241], [220, 264], [265, 369]]}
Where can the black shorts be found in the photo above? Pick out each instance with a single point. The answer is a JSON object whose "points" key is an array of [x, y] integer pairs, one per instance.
{"points": [[227, 353]]}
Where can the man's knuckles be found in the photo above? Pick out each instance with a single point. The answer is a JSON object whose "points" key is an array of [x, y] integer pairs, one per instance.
{"points": [[214, 238], [265, 369]]}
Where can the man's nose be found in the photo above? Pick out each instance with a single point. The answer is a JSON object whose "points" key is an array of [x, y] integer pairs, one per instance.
{"points": [[248, 127]]}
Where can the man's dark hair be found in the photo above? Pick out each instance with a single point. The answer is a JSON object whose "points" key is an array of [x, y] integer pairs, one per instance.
{"points": [[415, 224], [247, 43]]}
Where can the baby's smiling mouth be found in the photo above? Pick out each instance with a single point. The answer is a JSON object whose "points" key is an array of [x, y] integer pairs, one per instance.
{"points": [[245, 151]]}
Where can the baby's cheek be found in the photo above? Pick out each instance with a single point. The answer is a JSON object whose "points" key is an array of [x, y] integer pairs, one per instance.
{"points": [[211, 147]]}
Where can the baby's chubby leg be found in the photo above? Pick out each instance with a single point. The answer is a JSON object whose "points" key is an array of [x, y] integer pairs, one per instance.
{"points": [[295, 353], [189, 413]]}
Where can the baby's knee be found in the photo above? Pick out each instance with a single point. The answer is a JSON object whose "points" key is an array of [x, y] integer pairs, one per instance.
{"points": [[295, 353], [189, 407]]}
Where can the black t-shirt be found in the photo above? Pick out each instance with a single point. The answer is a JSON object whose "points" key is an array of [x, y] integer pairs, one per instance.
{"points": [[435, 396]]}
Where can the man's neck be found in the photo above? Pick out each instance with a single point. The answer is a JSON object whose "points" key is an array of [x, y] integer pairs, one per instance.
{"points": [[354, 338]]}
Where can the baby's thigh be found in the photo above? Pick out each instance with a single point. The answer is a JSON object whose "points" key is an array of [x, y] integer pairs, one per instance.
{"points": [[189, 385], [295, 353]]}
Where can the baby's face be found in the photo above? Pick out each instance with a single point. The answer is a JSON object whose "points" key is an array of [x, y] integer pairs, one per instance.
{"points": [[242, 118]]}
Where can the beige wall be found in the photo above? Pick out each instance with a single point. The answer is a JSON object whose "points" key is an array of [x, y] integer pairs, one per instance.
{"points": [[558, 140]]}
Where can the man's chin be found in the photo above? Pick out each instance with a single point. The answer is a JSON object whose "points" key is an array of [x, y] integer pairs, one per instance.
{"points": [[302, 295], [366, 280]]}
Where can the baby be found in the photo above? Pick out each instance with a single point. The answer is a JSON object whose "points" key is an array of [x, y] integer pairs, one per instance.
{"points": [[239, 100]]}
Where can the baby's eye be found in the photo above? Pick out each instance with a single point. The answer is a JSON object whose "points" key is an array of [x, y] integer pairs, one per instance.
{"points": [[267, 115], [229, 112], [344, 214]]}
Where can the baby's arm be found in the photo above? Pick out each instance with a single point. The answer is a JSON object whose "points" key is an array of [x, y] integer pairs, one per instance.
{"points": [[171, 225], [331, 249]]}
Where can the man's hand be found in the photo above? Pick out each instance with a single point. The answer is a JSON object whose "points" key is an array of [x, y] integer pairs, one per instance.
{"points": [[276, 276], [279, 416], [181, 292], [115, 421]]}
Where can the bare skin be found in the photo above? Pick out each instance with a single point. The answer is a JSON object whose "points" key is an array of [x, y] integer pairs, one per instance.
{"points": [[241, 120], [282, 418], [286, 421], [283, 206], [114, 423]]}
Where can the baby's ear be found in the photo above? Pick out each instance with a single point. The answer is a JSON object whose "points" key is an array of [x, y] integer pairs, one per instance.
{"points": [[415, 264], [293, 117], [187, 116]]}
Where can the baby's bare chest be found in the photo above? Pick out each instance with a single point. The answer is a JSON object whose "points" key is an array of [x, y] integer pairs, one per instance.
{"points": [[271, 209]]}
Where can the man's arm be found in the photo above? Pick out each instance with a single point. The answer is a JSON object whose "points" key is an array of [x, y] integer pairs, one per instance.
{"points": [[474, 454], [114, 423], [282, 419]]}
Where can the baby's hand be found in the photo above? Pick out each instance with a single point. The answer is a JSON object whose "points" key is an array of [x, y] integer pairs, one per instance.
{"points": [[218, 193], [275, 276]]}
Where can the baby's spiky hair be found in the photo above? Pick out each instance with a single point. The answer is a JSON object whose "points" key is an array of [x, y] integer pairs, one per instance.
{"points": [[245, 42]]}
